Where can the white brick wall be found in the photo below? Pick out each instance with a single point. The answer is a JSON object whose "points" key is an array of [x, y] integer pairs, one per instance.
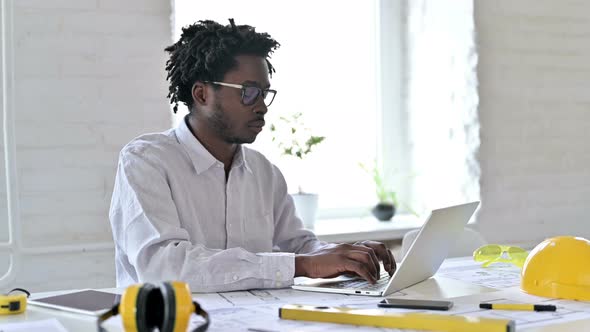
{"points": [[534, 74], [89, 77]]}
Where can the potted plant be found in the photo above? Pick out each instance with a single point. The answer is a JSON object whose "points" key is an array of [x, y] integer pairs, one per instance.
{"points": [[295, 140], [388, 201]]}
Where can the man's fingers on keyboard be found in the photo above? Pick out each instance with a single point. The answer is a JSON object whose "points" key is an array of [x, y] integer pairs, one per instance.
{"points": [[360, 269], [389, 263], [383, 253], [369, 250], [393, 265], [365, 259]]}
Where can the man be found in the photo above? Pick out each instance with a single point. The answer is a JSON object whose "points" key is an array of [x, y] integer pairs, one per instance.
{"points": [[194, 204]]}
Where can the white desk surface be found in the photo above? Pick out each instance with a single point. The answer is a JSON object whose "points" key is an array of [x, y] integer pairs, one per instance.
{"points": [[444, 285]]}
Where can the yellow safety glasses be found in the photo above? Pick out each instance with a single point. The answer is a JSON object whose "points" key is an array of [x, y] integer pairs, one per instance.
{"points": [[496, 253]]}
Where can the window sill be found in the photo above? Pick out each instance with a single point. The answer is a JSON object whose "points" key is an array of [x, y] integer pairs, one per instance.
{"points": [[366, 228]]}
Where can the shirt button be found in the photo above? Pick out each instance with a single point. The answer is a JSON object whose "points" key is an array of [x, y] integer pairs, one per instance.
{"points": [[235, 277]]}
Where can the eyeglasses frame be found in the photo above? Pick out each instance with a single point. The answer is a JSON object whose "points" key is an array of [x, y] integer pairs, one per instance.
{"points": [[243, 88]]}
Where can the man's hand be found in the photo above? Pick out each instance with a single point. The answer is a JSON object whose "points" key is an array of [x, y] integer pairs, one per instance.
{"points": [[383, 254], [361, 258]]}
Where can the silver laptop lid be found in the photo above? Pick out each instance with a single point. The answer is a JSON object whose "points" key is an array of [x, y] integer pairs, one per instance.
{"points": [[430, 248]]}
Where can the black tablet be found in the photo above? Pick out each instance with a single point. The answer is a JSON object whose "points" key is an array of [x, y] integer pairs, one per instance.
{"points": [[88, 302]]}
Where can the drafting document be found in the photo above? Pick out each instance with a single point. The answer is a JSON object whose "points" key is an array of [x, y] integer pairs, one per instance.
{"points": [[259, 309], [211, 301], [497, 275], [46, 325], [265, 317], [566, 310]]}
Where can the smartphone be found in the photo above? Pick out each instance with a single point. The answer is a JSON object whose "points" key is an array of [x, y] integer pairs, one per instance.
{"points": [[415, 304], [88, 302]]}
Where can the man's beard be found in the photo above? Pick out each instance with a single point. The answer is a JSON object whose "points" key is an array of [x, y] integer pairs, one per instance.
{"points": [[219, 122]]}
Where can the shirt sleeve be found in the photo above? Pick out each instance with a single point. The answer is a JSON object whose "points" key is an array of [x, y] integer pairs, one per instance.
{"points": [[148, 233], [290, 235]]}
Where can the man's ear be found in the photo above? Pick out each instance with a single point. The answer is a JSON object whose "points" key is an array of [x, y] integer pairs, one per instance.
{"points": [[199, 93]]}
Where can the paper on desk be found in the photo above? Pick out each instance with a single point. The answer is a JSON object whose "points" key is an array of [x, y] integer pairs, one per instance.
{"points": [[211, 301], [115, 323], [46, 325], [566, 310], [265, 317], [498, 275], [259, 309]]}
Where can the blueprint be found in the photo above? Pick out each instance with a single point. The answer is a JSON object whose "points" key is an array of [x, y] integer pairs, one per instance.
{"points": [[566, 310], [212, 301], [251, 319], [257, 310], [497, 276], [264, 317], [46, 325]]}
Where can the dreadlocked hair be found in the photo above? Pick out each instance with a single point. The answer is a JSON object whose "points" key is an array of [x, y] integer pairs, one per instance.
{"points": [[206, 51]]}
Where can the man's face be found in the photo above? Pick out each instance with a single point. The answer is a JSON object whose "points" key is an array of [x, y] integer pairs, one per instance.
{"points": [[230, 119]]}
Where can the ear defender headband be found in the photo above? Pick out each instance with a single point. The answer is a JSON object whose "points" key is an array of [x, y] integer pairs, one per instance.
{"points": [[167, 306], [13, 304]]}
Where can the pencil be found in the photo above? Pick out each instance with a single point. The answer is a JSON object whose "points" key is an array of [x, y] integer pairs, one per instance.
{"points": [[518, 306]]}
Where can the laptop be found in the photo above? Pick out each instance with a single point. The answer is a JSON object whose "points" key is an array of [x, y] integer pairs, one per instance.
{"points": [[430, 248]]}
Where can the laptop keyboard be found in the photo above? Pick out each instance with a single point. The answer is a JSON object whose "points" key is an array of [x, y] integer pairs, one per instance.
{"points": [[362, 284]]}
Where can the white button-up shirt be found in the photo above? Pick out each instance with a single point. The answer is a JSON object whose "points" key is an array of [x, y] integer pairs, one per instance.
{"points": [[175, 217]]}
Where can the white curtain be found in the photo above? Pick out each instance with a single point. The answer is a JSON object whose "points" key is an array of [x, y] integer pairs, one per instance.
{"points": [[442, 102]]}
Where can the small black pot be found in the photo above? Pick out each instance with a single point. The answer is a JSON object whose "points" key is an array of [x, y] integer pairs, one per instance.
{"points": [[383, 211]]}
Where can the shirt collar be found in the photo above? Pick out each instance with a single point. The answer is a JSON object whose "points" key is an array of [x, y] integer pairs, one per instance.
{"points": [[201, 158], [240, 158]]}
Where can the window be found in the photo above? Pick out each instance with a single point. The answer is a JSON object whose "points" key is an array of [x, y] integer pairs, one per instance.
{"points": [[329, 69], [442, 102]]}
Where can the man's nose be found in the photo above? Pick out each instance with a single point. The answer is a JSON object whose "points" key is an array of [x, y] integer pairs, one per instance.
{"points": [[261, 106]]}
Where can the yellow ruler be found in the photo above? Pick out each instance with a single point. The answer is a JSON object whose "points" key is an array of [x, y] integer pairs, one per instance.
{"points": [[381, 318]]}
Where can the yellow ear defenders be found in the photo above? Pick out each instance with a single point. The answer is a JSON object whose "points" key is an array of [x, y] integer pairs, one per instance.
{"points": [[167, 306], [13, 304]]}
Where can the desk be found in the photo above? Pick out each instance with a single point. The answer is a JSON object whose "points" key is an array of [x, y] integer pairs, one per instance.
{"points": [[442, 285]]}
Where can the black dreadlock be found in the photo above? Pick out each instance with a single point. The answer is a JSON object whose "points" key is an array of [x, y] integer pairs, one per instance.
{"points": [[206, 51]]}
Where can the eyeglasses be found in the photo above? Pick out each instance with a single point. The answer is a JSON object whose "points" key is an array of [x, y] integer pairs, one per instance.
{"points": [[494, 253], [250, 93]]}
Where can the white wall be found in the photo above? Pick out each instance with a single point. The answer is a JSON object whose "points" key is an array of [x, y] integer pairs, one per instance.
{"points": [[534, 76], [89, 76]]}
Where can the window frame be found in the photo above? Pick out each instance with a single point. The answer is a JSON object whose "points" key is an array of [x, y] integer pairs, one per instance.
{"points": [[7, 82]]}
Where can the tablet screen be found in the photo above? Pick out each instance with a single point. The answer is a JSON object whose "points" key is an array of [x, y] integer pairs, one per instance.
{"points": [[86, 301]]}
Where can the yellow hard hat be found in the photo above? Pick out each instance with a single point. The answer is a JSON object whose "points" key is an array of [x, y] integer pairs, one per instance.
{"points": [[558, 267]]}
